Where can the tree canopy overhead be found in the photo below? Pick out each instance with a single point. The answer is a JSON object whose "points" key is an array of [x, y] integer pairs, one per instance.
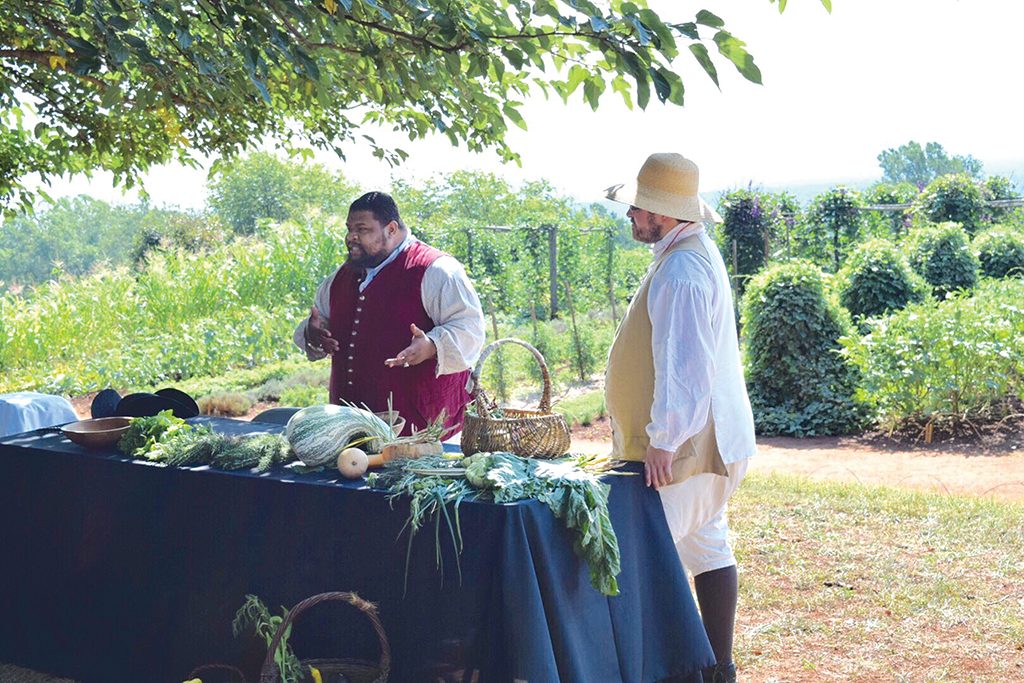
{"points": [[124, 84]]}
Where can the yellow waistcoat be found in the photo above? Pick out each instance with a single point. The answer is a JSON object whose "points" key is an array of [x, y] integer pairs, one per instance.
{"points": [[629, 387]]}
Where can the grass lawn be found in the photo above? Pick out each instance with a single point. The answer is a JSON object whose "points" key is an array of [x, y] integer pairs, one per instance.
{"points": [[853, 583]]}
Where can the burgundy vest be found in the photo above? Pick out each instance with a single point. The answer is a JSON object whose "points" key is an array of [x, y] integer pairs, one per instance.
{"points": [[372, 326]]}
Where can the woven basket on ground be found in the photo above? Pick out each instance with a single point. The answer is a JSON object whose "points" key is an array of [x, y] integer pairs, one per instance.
{"points": [[532, 433], [354, 670]]}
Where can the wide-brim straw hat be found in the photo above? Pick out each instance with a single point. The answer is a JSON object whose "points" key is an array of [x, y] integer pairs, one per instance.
{"points": [[667, 185]]}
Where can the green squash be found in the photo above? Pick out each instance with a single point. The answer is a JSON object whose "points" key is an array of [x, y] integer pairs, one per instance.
{"points": [[318, 434]]}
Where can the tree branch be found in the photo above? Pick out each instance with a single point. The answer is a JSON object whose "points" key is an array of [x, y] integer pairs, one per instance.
{"points": [[43, 59]]}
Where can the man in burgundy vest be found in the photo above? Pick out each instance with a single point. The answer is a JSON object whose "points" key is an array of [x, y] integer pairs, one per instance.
{"points": [[399, 318]]}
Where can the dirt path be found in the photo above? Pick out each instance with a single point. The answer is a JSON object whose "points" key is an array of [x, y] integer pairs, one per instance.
{"points": [[936, 469]]}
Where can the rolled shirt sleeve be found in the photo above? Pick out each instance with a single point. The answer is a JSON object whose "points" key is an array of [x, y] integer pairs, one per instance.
{"points": [[322, 301], [451, 302], [680, 309]]}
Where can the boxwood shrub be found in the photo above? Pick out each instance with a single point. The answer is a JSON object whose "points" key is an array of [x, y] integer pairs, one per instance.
{"points": [[799, 384]]}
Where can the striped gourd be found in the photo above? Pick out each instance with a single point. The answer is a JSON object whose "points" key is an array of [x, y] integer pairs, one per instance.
{"points": [[318, 433]]}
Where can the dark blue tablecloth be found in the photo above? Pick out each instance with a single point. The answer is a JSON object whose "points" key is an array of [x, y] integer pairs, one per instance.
{"points": [[119, 570]]}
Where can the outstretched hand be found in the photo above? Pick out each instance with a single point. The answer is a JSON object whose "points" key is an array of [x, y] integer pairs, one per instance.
{"points": [[420, 349], [318, 335]]}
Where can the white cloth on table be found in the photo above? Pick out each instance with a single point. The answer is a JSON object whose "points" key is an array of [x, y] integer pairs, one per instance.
{"points": [[24, 411]]}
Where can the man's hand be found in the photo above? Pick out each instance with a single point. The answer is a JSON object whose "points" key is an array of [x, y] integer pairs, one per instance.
{"points": [[317, 334], [421, 349], [658, 467]]}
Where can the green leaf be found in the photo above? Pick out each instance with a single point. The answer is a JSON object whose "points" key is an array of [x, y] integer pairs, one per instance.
{"points": [[184, 38], [514, 57], [111, 96], [262, 87], [620, 86], [119, 54], [688, 29], [733, 49], [654, 22], [82, 47], [782, 6], [701, 53], [827, 4], [162, 22], [592, 91], [577, 75], [643, 92], [118, 23], [706, 18], [641, 31], [513, 115], [661, 85]]}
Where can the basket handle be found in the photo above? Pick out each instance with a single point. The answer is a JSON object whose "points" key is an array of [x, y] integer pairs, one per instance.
{"points": [[269, 671], [478, 392]]}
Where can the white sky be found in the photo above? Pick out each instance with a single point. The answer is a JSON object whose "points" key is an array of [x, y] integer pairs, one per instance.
{"points": [[838, 89]]}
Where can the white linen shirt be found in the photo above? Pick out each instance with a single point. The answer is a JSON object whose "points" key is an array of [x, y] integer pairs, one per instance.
{"points": [[697, 364], [449, 300]]}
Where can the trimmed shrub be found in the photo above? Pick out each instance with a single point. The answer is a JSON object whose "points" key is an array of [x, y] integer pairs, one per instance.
{"points": [[998, 187], [881, 223], [876, 279], [833, 226], [955, 197], [751, 220], [799, 384], [1000, 251], [942, 255], [953, 360]]}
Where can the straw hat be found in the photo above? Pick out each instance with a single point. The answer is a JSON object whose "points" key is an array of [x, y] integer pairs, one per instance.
{"points": [[666, 185]]}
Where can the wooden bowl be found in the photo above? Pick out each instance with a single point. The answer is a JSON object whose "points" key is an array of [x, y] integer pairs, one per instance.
{"points": [[101, 432], [397, 422]]}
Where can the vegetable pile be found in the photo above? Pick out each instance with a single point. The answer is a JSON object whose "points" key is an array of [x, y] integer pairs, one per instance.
{"points": [[171, 441], [570, 486]]}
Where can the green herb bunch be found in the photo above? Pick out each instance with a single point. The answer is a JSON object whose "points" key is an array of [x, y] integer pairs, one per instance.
{"points": [[570, 486], [169, 440], [253, 613], [203, 446], [144, 433]]}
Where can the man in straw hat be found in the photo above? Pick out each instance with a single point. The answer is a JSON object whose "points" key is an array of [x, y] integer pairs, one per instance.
{"points": [[675, 390]]}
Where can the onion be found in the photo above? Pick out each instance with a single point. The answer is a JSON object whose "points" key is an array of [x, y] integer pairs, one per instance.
{"points": [[352, 463]]}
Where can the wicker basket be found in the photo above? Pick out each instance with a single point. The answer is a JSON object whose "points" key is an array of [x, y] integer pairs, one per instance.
{"points": [[532, 433], [355, 670]]}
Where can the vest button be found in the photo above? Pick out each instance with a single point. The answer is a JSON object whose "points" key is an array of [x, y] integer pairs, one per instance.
{"points": [[351, 345], [356, 321], [350, 357], [362, 298], [350, 383], [359, 309], [353, 333], [350, 369]]}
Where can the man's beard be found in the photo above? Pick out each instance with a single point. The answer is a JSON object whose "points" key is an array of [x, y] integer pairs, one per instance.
{"points": [[362, 259], [647, 234]]}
